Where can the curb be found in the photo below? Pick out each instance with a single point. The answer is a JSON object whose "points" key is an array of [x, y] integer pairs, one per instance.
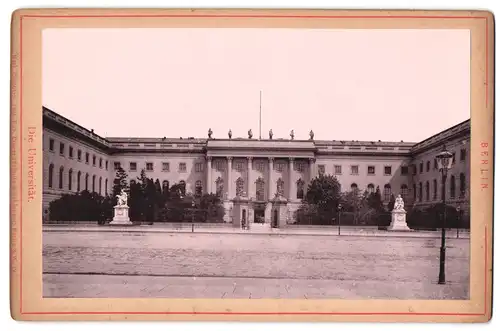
{"points": [[385, 234]]}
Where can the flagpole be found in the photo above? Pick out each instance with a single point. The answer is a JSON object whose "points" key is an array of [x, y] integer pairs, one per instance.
{"points": [[260, 115]]}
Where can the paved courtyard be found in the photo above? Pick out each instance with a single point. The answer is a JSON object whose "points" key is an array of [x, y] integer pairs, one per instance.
{"points": [[208, 265]]}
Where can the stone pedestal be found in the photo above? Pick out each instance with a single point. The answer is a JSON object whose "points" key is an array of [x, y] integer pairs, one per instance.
{"points": [[121, 216], [279, 212], [398, 221]]}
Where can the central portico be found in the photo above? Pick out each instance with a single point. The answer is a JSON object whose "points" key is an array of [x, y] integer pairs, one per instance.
{"points": [[252, 176]]}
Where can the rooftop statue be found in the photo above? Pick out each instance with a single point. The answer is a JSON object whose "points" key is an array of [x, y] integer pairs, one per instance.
{"points": [[230, 134], [271, 134], [250, 134], [311, 134], [210, 133], [292, 134]]}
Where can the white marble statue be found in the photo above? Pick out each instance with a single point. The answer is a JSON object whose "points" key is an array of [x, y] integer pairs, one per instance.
{"points": [[399, 204], [122, 198]]}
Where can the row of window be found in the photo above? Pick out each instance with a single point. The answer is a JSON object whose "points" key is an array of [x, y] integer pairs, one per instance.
{"points": [[370, 188], [221, 165], [370, 170], [463, 155], [452, 187], [165, 166], [71, 152], [78, 181], [259, 188]]}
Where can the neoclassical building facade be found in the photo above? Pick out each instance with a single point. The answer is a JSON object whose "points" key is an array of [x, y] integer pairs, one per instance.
{"points": [[256, 170]]}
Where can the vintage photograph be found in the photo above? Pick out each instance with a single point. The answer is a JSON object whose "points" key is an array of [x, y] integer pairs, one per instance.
{"points": [[256, 163]]}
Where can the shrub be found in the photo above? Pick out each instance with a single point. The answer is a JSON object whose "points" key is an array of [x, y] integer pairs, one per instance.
{"points": [[83, 206]]}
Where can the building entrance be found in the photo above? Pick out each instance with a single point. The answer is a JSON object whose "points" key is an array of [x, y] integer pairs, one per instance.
{"points": [[259, 215]]}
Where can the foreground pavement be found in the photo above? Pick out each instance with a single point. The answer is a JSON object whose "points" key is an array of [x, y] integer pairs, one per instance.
{"points": [[208, 265], [123, 286]]}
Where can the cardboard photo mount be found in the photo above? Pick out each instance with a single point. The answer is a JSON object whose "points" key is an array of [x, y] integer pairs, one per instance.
{"points": [[27, 302]]}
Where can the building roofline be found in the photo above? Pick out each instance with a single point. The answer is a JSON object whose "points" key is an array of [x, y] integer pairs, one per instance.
{"points": [[423, 142], [318, 143], [90, 132]]}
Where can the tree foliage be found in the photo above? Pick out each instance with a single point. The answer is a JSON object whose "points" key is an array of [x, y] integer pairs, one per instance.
{"points": [[432, 218], [81, 207], [148, 202], [392, 202], [120, 182], [375, 200], [323, 198]]}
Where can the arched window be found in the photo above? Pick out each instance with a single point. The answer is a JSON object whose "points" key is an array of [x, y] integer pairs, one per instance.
{"points": [[387, 192], [427, 191], [370, 188], [86, 182], [259, 189], [354, 187], [239, 186], [219, 183], [280, 187], [420, 192], [414, 192], [183, 187], [70, 179], [462, 185], [198, 188], [93, 183], [165, 186], [428, 166], [452, 187], [78, 178], [51, 174], [435, 189], [404, 191], [106, 187], [300, 189], [61, 171], [100, 185]]}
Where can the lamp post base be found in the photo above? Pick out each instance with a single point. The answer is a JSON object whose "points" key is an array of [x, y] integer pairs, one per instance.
{"points": [[442, 256]]}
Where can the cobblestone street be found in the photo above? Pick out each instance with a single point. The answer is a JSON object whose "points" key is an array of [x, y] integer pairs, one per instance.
{"points": [[136, 264]]}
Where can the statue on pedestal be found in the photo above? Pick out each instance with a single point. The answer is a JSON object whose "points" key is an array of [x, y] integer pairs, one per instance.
{"points": [[399, 203], [210, 133], [280, 190], [292, 134], [121, 210], [122, 198], [311, 135], [250, 134], [398, 216], [271, 134], [230, 134]]}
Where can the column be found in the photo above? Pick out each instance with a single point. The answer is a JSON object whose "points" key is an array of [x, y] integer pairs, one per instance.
{"points": [[249, 175], [270, 194], [311, 169], [290, 178], [229, 171], [209, 175]]}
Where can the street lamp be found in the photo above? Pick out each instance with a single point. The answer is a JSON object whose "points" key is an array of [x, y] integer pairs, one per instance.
{"points": [[444, 160], [339, 208], [192, 215]]}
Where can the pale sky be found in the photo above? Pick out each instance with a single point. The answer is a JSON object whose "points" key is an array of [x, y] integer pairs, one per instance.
{"points": [[387, 85]]}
